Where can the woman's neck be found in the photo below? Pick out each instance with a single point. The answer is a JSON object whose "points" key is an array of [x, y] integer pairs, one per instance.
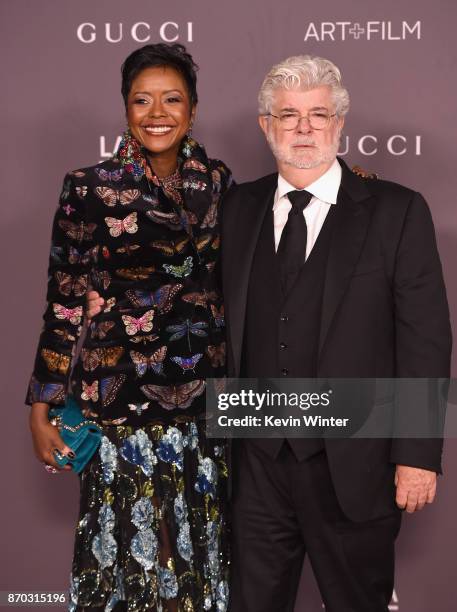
{"points": [[162, 165]]}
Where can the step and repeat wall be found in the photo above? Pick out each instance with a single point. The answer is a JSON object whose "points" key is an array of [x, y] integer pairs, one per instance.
{"points": [[62, 109]]}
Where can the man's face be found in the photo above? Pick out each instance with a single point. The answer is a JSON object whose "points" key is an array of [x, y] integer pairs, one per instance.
{"points": [[302, 147]]}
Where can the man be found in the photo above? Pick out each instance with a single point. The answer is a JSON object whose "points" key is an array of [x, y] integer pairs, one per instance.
{"points": [[326, 274]]}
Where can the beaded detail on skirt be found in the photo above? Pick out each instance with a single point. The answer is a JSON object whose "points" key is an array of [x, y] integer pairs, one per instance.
{"points": [[152, 528]]}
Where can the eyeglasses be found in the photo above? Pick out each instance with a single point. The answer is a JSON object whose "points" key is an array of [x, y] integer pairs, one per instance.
{"points": [[317, 120]]}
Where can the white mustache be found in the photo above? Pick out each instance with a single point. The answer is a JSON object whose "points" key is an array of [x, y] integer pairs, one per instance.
{"points": [[303, 141]]}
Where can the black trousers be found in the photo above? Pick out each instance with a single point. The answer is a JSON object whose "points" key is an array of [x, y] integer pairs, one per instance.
{"points": [[284, 509]]}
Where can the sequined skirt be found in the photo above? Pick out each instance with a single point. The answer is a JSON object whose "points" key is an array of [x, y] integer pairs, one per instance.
{"points": [[152, 530]]}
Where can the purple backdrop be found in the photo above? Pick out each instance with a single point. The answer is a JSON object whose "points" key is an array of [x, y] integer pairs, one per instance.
{"points": [[63, 109]]}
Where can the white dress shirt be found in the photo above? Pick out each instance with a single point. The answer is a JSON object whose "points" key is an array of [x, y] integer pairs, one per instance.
{"points": [[324, 191]]}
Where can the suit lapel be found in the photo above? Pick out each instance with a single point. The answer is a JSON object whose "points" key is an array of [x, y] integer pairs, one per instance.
{"points": [[247, 214], [349, 233]]}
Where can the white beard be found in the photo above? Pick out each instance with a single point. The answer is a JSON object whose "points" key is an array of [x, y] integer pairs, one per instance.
{"points": [[320, 156]]}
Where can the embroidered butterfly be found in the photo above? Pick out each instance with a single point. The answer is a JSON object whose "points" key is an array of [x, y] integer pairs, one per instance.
{"points": [[140, 273], [210, 217], [186, 328], [152, 200], [78, 173], [188, 218], [194, 184], [170, 220], [109, 304], [101, 330], [105, 175], [128, 248], [78, 232], [104, 357], [154, 361], [170, 248], [68, 209], [194, 164], [144, 323], [73, 315], [144, 339], [200, 299], [65, 190], [90, 391], [75, 257], [216, 243], [216, 354], [180, 271], [218, 315], [109, 388], [216, 176], [56, 362], [56, 253], [88, 412], [64, 335], [119, 226], [111, 197], [139, 408], [67, 284], [187, 363], [81, 191], [101, 279], [46, 392], [162, 298], [203, 241], [220, 385], [174, 396], [117, 421]]}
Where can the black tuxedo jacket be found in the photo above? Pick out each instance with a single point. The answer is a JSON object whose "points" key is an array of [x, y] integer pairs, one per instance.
{"points": [[384, 314]]}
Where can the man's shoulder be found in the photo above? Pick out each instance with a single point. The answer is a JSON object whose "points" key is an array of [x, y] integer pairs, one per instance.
{"points": [[391, 189], [386, 192], [256, 186], [390, 201]]}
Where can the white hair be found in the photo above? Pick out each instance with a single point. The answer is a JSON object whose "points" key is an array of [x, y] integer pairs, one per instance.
{"points": [[304, 72]]}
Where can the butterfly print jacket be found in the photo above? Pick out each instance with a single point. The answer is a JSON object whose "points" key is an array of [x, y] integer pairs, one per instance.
{"points": [[154, 261]]}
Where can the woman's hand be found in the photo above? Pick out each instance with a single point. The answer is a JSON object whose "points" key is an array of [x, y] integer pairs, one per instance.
{"points": [[46, 437], [94, 304]]}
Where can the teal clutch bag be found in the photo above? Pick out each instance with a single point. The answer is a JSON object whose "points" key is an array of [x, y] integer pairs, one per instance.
{"points": [[81, 435]]}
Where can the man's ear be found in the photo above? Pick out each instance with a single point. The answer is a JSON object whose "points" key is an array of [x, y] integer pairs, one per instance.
{"points": [[263, 122], [340, 123]]}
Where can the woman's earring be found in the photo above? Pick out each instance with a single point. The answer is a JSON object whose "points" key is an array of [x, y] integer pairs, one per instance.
{"points": [[189, 129]]}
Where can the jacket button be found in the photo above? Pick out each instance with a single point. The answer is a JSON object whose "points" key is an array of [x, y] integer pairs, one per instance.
{"points": [[285, 372], [283, 345], [284, 318]]}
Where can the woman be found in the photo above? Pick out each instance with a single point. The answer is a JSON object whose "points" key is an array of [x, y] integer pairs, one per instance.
{"points": [[142, 230]]}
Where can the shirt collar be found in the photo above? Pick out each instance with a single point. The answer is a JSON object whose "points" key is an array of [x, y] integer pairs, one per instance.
{"points": [[325, 188]]}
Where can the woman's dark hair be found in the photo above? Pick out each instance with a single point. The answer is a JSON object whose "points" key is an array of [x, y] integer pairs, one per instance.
{"points": [[175, 56]]}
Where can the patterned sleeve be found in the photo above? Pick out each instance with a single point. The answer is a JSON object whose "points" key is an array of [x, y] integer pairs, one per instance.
{"points": [[72, 252], [222, 176]]}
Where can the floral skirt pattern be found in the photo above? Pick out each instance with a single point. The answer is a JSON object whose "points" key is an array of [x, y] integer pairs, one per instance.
{"points": [[152, 533]]}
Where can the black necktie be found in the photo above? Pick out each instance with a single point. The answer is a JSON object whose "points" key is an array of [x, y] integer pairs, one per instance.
{"points": [[292, 246]]}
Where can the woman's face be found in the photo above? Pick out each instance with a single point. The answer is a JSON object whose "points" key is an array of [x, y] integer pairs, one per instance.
{"points": [[159, 111]]}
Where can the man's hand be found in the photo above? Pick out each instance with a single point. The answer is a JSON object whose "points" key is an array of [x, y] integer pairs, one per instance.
{"points": [[94, 304], [415, 487]]}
